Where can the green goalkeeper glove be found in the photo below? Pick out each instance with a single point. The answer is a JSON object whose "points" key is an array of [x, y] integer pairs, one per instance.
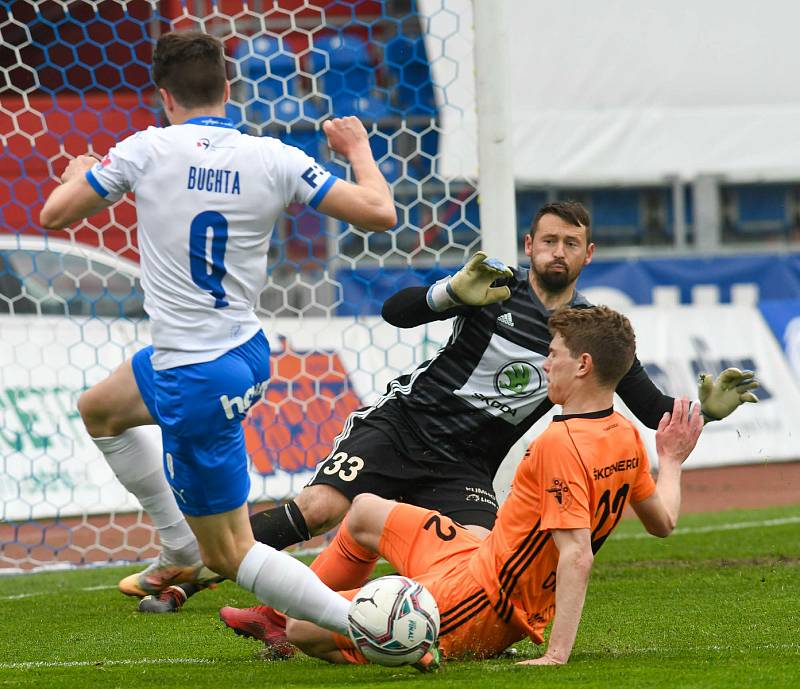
{"points": [[472, 285], [719, 398]]}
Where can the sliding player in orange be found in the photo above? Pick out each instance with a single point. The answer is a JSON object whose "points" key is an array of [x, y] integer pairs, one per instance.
{"points": [[568, 495]]}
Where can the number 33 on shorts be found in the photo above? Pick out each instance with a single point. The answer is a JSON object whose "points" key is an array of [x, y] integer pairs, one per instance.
{"points": [[346, 467]]}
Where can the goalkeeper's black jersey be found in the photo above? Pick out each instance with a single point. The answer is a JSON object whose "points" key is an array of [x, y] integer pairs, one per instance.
{"points": [[480, 393]]}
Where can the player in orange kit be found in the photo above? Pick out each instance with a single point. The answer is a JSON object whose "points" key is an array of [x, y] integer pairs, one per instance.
{"points": [[568, 495]]}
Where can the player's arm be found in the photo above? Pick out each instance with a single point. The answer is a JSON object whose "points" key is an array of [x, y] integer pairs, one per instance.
{"points": [[643, 397], [676, 437], [73, 199], [461, 294], [575, 560], [368, 202], [409, 308]]}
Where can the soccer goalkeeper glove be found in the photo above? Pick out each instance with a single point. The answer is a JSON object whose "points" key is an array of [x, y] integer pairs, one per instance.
{"points": [[472, 285], [720, 397]]}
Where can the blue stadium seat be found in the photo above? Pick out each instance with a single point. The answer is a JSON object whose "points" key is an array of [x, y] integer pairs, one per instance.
{"points": [[409, 71], [389, 165], [236, 114], [391, 168], [264, 117], [528, 204], [347, 58], [306, 137], [407, 61], [277, 93], [443, 219], [760, 209], [364, 107], [616, 215], [347, 75], [270, 68], [422, 164], [288, 110]]}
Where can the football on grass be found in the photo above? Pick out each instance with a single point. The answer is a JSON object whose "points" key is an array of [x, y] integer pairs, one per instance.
{"points": [[393, 621]]}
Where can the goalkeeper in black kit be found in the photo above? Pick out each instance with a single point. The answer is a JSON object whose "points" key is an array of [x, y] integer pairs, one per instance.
{"points": [[438, 435]]}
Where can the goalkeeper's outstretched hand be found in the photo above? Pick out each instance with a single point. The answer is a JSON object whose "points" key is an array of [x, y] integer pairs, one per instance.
{"points": [[720, 397], [472, 285]]}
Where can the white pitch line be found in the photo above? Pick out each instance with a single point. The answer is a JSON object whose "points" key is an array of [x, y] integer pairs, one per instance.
{"points": [[735, 526], [91, 663], [105, 587], [39, 664]]}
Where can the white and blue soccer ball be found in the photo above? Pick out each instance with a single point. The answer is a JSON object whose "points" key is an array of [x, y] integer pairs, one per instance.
{"points": [[393, 621]]}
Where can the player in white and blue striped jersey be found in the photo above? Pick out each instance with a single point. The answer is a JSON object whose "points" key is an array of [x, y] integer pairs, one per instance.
{"points": [[207, 198]]}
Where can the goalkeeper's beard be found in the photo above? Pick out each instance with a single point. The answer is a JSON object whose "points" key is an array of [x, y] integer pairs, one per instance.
{"points": [[555, 281]]}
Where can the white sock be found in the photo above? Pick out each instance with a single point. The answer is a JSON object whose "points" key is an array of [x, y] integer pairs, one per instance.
{"points": [[135, 458], [288, 585]]}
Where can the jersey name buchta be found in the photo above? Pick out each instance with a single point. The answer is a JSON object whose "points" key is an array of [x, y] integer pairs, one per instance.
{"points": [[207, 198], [209, 179]]}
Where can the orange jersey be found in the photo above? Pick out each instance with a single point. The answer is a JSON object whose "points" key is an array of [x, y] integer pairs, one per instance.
{"points": [[579, 474]]}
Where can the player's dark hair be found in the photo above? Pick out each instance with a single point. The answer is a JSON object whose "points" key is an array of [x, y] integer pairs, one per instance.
{"points": [[572, 212], [600, 332], [191, 66]]}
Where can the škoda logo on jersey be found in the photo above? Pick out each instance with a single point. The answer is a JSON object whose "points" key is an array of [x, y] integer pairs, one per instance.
{"points": [[517, 379]]}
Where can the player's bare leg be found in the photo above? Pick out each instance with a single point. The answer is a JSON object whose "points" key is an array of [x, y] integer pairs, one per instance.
{"points": [[320, 508], [314, 641], [114, 405], [315, 510], [224, 540], [227, 546], [367, 519], [480, 531], [113, 412]]}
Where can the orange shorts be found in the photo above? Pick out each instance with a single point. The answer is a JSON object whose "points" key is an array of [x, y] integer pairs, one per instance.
{"points": [[435, 551]]}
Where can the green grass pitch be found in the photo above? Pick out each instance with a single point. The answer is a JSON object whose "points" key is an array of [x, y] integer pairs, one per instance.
{"points": [[715, 605]]}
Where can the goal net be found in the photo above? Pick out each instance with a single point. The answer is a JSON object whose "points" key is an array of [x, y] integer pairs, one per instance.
{"points": [[76, 79]]}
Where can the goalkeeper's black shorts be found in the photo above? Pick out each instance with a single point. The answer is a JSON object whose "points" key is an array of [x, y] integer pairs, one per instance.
{"points": [[373, 455]]}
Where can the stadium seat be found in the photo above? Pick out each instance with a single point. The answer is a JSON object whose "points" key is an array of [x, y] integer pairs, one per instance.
{"points": [[272, 92], [407, 62], [343, 61], [271, 70], [285, 119], [235, 113], [528, 204], [412, 97], [385, 155], [616, 215], [347, 75], [306, 138], [759, 209], [446, 217], [391, 168], [277, 101]]}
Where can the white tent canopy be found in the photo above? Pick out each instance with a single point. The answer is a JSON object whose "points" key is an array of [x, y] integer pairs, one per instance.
{"points": [[626, 92]]}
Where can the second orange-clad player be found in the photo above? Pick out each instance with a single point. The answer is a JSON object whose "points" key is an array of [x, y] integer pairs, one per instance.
{"points": [[568, 494]]}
